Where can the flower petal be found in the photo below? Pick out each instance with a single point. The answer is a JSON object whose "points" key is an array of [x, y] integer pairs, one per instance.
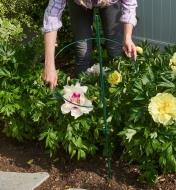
{"points": [[76, 112], [65, 108]]}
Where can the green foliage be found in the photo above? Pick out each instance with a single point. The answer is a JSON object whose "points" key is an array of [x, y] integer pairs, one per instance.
{"points": [[31, 111], [29, 14], [147, 143]]}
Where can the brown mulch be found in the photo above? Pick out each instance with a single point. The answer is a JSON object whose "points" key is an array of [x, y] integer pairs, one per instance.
{"points": [[65, 173]]}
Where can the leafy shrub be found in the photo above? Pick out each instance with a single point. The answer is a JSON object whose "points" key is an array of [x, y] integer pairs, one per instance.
{"points": [[29, 13], [150, 144], [31, 111]]}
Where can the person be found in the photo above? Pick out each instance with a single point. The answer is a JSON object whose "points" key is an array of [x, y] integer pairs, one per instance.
{"points": [[81, 15]]}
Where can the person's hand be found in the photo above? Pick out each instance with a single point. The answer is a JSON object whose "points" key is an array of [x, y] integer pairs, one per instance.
{"points": [[130, 49], [50, 76]]}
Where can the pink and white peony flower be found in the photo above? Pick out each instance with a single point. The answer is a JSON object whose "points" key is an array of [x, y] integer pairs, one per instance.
{"points": [[75, 101]]}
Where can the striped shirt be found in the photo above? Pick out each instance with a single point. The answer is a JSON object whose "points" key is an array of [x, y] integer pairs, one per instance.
{"points": [[53, 14]]}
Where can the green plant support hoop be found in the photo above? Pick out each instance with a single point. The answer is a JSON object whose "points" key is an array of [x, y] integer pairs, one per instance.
{"points": [[106, 130]]}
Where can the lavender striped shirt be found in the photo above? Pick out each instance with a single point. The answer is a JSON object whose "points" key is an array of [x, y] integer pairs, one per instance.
{"points": [[53, 13]]}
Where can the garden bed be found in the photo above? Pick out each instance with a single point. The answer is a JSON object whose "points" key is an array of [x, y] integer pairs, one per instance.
{"points": [[69, 120], [65, 173]]}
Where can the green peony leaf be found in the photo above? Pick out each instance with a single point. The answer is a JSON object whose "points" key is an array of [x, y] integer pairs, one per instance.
{"points": [[129, 134]]}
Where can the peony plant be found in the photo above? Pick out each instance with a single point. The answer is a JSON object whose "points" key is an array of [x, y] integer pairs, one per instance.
{"points": [[140, 102], [150, 113]]}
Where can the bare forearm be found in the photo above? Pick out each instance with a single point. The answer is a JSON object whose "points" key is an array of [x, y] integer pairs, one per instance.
{"points": [[128, 30], [129, 46], [50, 40], [50, 74]]}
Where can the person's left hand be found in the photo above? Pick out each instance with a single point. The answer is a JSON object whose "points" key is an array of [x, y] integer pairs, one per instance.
{"points": [[130, 49]]}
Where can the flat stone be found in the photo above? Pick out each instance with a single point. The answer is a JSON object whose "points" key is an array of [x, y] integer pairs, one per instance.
{"points": [[21, 181]]}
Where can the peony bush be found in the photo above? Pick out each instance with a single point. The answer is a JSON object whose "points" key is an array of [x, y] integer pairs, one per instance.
{"points": [[140, 97], [140, 100], [149, 129]]}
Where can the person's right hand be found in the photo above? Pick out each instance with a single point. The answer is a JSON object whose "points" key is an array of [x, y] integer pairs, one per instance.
{"points": [[50, 76]]}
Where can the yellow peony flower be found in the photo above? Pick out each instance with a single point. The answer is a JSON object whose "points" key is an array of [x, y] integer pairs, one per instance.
{"points": [[139, 50], [173, 62], [115, 78], [162, 108]]}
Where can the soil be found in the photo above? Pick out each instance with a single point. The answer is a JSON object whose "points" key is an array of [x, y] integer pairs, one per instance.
{"points": [[64, 173]]}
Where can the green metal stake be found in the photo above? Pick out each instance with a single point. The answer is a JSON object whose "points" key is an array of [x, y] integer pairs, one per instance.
{"points": [[106, 129], [103, 96]]}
